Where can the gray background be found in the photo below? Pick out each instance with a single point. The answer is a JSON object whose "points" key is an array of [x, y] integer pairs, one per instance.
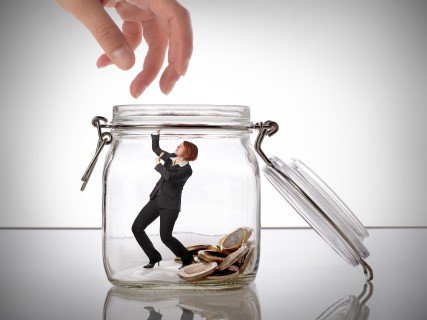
{"points": [[346, 81]]}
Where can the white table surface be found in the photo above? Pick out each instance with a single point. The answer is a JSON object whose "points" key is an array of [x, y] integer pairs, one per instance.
{"points": [[58, 274]]}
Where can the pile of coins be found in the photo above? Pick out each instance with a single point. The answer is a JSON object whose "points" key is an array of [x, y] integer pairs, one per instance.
{"points": [[233, 255]]}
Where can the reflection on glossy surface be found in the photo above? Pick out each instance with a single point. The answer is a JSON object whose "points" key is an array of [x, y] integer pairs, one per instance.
{"points": [[58, 274], [128, 304], [350, 307]]}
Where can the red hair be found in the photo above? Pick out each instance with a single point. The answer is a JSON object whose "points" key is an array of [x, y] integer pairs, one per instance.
{"points": [[190, 151]]}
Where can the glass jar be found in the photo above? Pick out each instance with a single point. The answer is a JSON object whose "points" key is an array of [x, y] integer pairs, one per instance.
{"points": [[206, 205]]}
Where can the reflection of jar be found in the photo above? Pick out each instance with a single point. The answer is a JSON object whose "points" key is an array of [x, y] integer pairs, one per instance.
{"points": [[220, 202], [126, 304]]}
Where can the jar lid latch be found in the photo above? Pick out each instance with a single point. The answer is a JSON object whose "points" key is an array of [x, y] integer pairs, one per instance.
{"points": [[104, 138], [264, 128]]}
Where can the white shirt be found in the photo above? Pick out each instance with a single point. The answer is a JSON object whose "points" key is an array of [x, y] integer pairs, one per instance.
{"points": [[181, 164]]}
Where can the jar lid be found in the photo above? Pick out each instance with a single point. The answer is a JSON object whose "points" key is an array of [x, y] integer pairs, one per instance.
{"points": [[319, 206]]}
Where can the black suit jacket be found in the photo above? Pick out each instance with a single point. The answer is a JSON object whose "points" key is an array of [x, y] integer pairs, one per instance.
{"points": [[172, 180]]}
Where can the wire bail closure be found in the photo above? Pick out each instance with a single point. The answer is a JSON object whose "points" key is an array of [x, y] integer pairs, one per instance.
{"points": [[104, 138], [264, 128]]}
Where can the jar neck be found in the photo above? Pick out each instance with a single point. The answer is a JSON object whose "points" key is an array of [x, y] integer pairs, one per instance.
{"points": [[180, 119], [179, 115], [181, 132]]}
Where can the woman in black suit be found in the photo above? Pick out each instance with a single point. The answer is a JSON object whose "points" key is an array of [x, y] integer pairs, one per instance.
{"points": [[165, 201]]}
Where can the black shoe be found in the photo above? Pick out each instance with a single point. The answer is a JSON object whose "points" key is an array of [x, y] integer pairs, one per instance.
{"points": [[152, 264], [187, 263]]}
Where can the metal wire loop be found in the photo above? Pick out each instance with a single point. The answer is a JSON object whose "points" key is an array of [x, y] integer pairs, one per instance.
{"points": [[367, 270], [96, 123], [109, 137], [265, 128]]}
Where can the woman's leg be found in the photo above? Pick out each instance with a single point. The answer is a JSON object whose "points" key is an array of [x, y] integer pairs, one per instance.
{"points": [[145, 217], [167, 222]]}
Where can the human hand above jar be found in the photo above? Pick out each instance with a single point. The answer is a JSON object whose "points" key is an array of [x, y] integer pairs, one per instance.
{"points": [[164, 24]]}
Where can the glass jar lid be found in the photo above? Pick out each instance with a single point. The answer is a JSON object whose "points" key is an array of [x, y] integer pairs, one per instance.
{"points": [[319, 206]]}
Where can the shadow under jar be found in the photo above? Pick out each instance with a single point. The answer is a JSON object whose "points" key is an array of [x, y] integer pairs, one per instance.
{"points": [[219, 208]]}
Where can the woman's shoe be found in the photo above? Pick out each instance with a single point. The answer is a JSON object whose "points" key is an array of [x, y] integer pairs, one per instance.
{"points": [[188, 263], [152, 264]]}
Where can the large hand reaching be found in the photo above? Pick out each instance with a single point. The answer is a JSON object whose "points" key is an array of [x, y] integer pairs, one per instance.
{"points": [[164, 24]]}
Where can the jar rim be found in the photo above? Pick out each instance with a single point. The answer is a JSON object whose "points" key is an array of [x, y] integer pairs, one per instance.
{"points": [[181, 114]]}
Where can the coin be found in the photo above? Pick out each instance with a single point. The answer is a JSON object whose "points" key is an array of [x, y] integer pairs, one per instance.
{"points": [[178, 259], [221, 240], [240, 262], [233, 257], [197, 271], [198, 247], [248, 234], [233, 268], [216, 248], [226, 275], [194, 250], [248, 259], [209, 255], [233, 241], [234, 254]]}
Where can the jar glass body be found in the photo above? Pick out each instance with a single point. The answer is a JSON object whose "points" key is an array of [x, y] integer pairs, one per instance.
{"points": [[222, 194]]}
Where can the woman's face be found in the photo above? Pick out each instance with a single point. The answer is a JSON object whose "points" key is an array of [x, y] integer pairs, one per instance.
{"points": [[180, 150]]}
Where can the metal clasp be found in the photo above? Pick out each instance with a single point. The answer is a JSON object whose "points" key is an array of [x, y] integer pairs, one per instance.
{"points": [[104, 138], [264, 128]]}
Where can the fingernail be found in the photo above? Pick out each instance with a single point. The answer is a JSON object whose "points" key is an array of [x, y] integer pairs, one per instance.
{"points": [[122, 57], [140, 92], [170, 87]]}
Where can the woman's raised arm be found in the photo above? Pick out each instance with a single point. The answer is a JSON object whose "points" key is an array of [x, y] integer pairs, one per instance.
{"points": [[155, 143], [160, 152]]}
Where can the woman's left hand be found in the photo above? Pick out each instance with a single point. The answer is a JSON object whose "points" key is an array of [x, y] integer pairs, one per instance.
{"points": [[157, 160]]}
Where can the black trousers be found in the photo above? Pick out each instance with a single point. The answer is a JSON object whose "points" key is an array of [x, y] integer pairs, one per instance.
{"points": [[146, 216]]}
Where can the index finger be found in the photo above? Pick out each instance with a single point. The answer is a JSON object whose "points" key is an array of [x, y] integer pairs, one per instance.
{"points": [[93, 15]]}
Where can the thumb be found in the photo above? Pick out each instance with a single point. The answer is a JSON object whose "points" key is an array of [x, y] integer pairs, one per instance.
{"points": [[93, 15]]}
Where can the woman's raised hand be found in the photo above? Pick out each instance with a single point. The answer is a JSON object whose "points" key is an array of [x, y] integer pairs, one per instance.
{"points": [[164, 24]]}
